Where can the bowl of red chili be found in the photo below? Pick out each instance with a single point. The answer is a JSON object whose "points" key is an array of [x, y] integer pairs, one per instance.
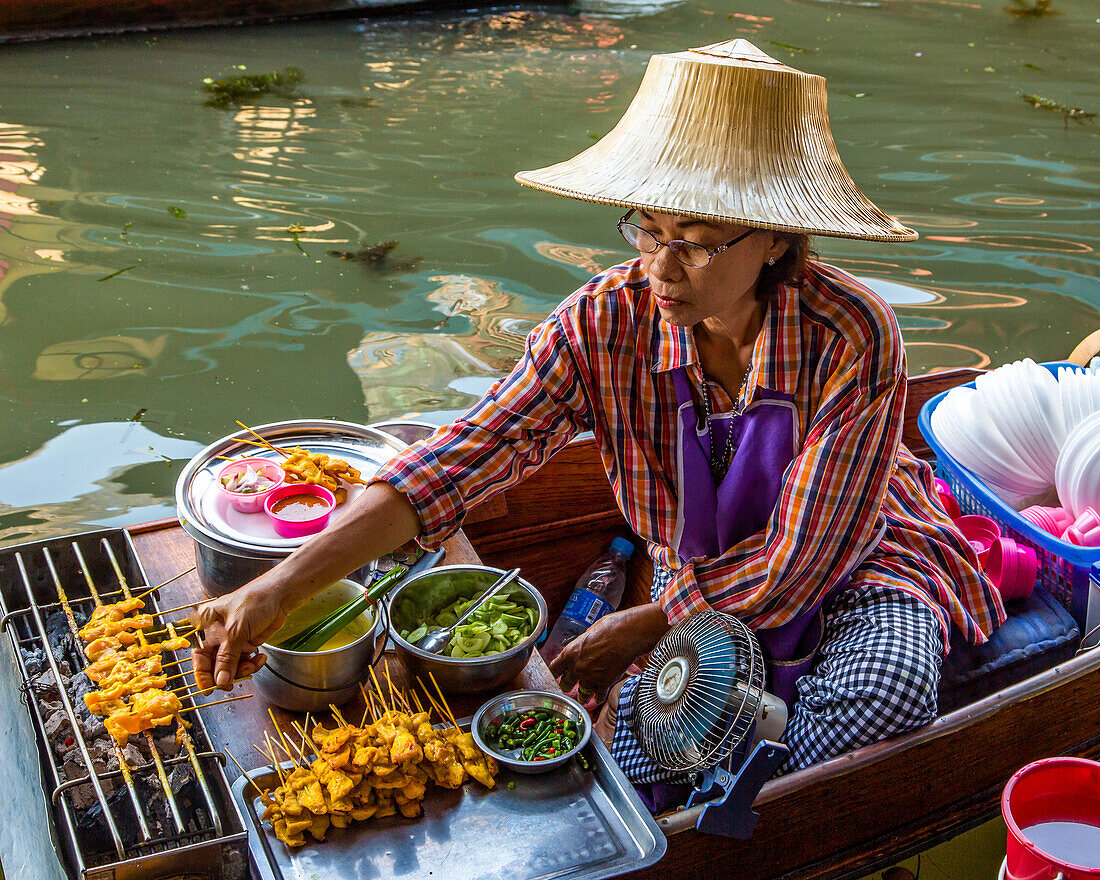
{"points": [[299, 509], [532, 731]]}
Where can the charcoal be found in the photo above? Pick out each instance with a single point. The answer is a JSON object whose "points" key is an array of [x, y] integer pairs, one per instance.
{"points": [[92, 829]]}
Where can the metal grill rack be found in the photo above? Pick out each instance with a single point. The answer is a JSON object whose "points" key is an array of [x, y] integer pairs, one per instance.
{"points": [[162, 805]]}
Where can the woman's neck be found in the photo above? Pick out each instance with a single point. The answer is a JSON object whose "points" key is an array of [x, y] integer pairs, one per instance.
{"points": [[725, 343]]}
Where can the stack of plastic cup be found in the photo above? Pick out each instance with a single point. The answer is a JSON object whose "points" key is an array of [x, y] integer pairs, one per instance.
{"points": [[1085, 530], [980, 532], [1050, 519], [1013, 568]]}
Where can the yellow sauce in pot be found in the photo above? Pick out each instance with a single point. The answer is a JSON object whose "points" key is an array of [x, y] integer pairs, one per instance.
{"points": [[322, 604]]}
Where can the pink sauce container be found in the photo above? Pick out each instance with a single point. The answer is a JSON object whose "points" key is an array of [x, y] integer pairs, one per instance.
{"points": [[299, 509], [250, 501]]}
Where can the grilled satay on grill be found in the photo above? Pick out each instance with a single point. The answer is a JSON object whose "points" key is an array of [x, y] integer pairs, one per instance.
{"points": [[146, 710], [105, 629]]}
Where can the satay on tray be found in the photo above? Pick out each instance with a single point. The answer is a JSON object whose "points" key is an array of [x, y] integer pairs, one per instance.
{"points": [[347, 773]]}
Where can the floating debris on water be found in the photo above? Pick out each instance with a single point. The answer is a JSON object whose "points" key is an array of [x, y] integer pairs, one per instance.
{"points": [[1074, 113], [177, 212], [791, 48], [242, 88], [356, 101], [294, 230], [377, 256], [1032, 10], [116, 273]]}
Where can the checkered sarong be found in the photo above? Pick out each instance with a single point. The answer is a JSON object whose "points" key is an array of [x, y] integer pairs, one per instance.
{"points": [[876, 674]]}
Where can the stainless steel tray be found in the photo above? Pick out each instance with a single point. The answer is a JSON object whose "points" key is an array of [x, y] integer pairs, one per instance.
{"points": [[564, 824], [366, 448]]}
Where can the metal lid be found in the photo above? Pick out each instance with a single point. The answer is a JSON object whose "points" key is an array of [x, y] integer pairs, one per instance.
{"points": [[206, 516]]}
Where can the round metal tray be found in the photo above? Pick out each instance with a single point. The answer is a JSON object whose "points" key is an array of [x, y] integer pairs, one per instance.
{"points": [[201, 508]]}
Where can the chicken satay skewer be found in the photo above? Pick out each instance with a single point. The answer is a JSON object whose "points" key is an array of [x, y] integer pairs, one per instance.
{"points": [[263, 440], [378, 690], [260, 791], [306, 741], [395, 694], [271, 758], [443, 699], [282, 736], [339, 718]]}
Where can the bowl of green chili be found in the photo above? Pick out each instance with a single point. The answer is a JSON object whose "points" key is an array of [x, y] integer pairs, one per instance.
{"points": [[531, 731]]}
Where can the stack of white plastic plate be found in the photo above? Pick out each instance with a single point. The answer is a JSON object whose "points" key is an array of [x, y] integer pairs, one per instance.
{"points": [[964, 425], [1079, 394], [1077, 476]]}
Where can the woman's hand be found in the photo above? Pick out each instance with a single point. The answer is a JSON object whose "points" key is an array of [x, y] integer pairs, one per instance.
{"points": [[234, 626], [598, 657]]}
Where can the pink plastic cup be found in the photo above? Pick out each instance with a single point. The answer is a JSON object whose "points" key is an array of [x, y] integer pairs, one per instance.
{"points": [[250, 502], [947, 498], [1050, 519], [980, 532], [287, 526], [1013, 568], [1085, 531]]}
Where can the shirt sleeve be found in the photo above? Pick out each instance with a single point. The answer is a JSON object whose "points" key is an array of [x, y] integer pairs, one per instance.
{"points": [[519, 423], [828, 509]]}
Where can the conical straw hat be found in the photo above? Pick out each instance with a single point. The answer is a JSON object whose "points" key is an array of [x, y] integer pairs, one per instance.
{"points": [[725, 132]]}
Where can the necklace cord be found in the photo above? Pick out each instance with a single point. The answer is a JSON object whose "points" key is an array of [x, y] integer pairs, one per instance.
{"points": [[720, 466]]}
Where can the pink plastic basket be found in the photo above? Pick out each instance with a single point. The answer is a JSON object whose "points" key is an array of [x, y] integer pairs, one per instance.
{"points": [[1065, 570]]}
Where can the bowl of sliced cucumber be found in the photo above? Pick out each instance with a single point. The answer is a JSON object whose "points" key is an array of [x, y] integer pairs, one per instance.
{"points": [[492, 645]]}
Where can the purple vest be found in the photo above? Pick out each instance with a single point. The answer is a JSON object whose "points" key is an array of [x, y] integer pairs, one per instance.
{"points": [[711, 519]]}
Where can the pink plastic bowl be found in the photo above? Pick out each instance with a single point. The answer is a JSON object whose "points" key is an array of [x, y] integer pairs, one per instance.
{"points": [[1013, 568], [251, 502], [980, 532], [299, 528]]}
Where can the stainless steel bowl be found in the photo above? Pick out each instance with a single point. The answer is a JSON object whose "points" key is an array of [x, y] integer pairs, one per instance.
{"points": [[520, 701], [436, 589], [307, 681]]}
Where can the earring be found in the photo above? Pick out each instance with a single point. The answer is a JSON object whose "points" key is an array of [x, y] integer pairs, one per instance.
{"points": [[771, 261]]}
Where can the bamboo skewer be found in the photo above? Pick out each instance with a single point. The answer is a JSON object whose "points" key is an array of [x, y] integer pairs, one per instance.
{"points": [[271, 758], [378, 688], [244, 773], [282, 736], [305, 738], [215, 703], [443, 699], [264, 441]]}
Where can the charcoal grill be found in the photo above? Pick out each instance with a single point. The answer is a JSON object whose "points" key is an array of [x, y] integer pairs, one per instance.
{"points": [[162, 806]]}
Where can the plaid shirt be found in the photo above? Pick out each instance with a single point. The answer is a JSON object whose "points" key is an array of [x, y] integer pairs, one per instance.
{"points": [[603, 362]]}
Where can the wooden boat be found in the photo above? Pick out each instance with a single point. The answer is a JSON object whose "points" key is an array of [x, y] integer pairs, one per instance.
{"points": [[843, 818], [49, 19]]}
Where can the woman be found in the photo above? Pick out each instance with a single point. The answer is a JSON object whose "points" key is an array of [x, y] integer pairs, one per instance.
{"points": [[747, 402]]}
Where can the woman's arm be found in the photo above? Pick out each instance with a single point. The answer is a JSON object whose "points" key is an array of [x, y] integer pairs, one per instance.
{"points": [[380, 520]]}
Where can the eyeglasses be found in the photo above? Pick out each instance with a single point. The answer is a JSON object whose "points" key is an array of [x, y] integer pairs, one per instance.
{"points": [[687, 252]]}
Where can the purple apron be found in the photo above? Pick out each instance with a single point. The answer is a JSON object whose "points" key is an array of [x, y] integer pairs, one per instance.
{"points": [[712, 519]]}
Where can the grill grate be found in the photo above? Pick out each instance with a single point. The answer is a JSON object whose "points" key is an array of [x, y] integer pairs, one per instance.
{"points": [[116, 808]]}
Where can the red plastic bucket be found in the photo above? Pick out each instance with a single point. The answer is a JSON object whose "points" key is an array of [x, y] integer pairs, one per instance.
{"points": [[1054, 790]]}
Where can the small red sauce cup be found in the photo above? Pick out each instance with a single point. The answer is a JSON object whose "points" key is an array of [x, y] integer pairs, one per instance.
{"points": [[298, 528], [250, 502]]}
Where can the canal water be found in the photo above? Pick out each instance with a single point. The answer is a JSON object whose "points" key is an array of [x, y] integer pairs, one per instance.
{"points": [[168, 267]]}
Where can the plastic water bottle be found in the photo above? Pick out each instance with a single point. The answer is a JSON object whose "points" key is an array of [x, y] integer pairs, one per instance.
{"points": [[598, 592]]}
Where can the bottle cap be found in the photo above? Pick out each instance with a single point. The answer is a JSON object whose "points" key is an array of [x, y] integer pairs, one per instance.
{"points": [[622, 545]]}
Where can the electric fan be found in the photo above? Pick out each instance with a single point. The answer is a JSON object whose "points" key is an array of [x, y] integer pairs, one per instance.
{"points": [[701, 706]]}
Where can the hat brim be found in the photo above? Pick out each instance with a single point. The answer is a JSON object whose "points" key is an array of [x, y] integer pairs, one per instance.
{"points": [[729, 143]]}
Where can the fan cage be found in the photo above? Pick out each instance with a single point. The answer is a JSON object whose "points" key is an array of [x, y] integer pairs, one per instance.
{"points": [[720, 703]]}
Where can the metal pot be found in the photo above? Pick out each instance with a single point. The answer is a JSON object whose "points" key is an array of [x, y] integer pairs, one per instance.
{"points": [[462, 675], [222, 568], [307, 681]]}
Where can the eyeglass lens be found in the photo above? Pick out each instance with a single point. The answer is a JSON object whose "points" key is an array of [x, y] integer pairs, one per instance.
{"points": [[687, 252]]}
